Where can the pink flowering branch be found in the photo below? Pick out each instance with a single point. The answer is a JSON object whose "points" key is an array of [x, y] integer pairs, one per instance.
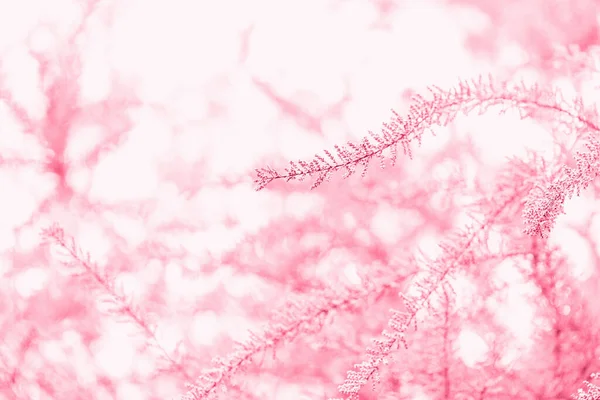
{"points": [[424, 113], [545, 205], [464, 249], [591, 391], [380, 353], [80, 263], [305, 314]]}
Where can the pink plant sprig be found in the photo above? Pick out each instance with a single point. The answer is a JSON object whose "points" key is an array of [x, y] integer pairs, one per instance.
{"points": [[591, 391], [303, 314], [81, 265], [455, 253], [440, 110], [463, 249], [544, 205]]}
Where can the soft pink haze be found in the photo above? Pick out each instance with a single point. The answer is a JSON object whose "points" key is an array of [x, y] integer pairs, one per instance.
{"points": [[297, 200]]}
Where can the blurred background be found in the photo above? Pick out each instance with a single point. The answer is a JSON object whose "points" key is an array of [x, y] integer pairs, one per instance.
{"points": [[137, 126]]}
